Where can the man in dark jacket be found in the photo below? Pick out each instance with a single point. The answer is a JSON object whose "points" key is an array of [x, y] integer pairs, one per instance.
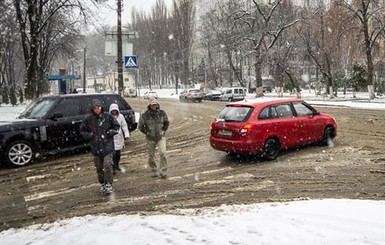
{"points": [[154, 124], [99, 127]]}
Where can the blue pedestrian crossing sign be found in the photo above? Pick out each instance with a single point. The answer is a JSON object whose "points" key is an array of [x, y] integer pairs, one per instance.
{"points": [[130, 61]]}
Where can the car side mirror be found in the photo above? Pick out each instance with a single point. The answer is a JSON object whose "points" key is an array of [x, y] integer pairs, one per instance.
{"points": [[56, 116]]}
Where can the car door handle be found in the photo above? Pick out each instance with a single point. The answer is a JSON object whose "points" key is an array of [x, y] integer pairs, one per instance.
{"points": [[78, 121]]}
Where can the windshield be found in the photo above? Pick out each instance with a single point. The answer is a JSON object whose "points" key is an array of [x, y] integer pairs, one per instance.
{"points": [[234, 114], [38, 109]]}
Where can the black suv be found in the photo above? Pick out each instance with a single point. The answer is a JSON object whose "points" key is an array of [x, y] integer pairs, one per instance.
{"points": [[51, 124]]}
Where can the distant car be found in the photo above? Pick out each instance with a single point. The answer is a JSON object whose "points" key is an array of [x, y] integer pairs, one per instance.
{"points": [[130, 92], [191, 95], [150, 95], [267, 85], [212, 94], [265, 128], [50, 125], [88, 91], [233, 94]]}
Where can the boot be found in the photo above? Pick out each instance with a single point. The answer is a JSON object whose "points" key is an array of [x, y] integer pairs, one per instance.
{"points": [[108, 189]]}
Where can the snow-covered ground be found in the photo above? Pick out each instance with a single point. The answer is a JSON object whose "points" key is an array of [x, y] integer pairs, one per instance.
{"points": [[342, 222], [327, 221]]}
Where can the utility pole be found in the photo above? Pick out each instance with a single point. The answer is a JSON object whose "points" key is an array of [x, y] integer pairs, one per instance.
{"points": [[118, 36], [119, 59], [84, 69]]}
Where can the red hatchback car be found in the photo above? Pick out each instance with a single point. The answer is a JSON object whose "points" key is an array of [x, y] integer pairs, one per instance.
{"points": [[266, 127]]}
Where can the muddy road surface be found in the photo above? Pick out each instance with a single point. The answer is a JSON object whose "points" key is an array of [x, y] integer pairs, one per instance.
{"points": [[66, 186]]}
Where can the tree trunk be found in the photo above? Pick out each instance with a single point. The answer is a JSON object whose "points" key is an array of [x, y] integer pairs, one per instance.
{"points": [[258, 78]]}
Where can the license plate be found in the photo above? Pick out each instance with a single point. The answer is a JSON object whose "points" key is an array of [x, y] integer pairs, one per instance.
{"points": [[225, 132]]}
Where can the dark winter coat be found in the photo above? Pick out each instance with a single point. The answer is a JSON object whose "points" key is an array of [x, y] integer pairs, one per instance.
{"points": [[100, 129], [154, 123]]}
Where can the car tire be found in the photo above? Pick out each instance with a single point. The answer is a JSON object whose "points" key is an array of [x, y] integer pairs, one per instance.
{"points": [[328, 136], [230, 99], [19, 153], [271, 149]]}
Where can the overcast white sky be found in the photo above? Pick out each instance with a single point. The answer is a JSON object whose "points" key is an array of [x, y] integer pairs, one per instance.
{"points": [[109, 14]]}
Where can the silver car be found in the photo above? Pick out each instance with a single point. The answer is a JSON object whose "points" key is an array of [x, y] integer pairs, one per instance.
{"points": [[233, 94], [191, 95]]}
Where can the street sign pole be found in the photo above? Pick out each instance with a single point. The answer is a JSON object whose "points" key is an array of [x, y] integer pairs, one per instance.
{"points": [[137, 82]]}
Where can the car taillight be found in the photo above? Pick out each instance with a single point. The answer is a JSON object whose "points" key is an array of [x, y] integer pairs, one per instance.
{"points": [[212, 125], [245, 129]]}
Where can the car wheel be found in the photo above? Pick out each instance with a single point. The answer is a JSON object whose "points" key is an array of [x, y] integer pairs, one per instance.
{"points": [[230, 99], [328, 136], [19, 153], [271, 149]]}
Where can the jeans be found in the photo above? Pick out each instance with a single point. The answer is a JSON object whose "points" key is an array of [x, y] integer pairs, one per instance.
{"points": [[151, 148], [116, 158], [104, 170]]}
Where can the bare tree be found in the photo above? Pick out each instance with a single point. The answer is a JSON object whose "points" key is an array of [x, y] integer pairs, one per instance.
{"points": [[153, 45], [41, 24], [264, 27], [284, 72], [287, 58], [227, 39], [183, 15], [371, 22], [10, 71]]}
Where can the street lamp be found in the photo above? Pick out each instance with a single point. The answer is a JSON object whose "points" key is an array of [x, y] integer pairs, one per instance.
{"points": [[84, 66], [171, 38]]}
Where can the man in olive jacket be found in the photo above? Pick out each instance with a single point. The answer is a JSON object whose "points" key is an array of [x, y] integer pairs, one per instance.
{"points": [[100, 127], [154, 124]]}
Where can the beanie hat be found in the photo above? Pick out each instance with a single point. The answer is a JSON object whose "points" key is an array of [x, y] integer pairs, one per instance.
{"points": [[96, 102]]}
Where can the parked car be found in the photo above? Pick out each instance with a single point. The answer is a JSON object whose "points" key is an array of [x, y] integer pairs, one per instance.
{"points": [[233, 94], [130, 92], [150, 95], [267, 85], [191, 95], [51, 124], [212, 94], [265, 128], [88, 91]]}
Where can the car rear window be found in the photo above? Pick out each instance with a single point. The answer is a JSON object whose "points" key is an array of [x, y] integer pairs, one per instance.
{"points": [[235, 113], [194, 91]]}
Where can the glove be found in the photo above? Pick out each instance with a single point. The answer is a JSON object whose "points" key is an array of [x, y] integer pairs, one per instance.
{"points": [[111, 132]]}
